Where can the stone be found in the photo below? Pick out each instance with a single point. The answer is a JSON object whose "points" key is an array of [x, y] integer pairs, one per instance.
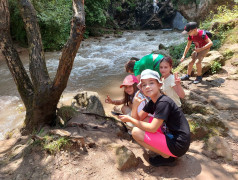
{"points": [[89, 101], [60, 132], [220, 147], [212, 56], [125, 159]]}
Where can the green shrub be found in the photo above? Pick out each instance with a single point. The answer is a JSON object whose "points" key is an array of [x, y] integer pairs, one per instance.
{"points": [[215, 67], [52, 145], [177, 51]]}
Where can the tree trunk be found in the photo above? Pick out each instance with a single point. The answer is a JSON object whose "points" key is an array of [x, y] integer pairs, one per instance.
{"points": [[39, 94]]}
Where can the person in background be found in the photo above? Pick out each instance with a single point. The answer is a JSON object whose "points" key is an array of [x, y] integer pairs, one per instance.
{"points": [[169, 144], [171, 82], [202, 46], [156, 7], [150, 61]]}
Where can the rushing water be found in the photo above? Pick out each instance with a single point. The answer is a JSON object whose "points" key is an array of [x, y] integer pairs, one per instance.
{"points": [[98, 64]]}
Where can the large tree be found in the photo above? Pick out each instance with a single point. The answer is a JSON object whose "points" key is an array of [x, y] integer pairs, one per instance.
{"points": [[39, 93]]}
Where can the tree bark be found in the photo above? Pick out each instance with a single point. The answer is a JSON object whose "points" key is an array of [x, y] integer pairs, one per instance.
{"points": [[39, 94]]}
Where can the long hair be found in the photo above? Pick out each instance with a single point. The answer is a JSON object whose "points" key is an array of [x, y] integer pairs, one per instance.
{"points": [[128, 98], [169, 61]]}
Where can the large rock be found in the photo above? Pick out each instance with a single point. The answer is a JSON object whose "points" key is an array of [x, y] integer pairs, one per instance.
{"points": [[125, 159], [202, 126], [212, 56], [198, 11], [220, 147], [89, 101]]}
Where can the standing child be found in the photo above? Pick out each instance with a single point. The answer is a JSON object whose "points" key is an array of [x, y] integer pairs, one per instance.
{"points": [[171, 83], [170, 144], [202, 46]]}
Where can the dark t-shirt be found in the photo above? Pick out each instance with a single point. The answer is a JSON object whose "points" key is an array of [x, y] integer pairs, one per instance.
{"points": [[177, 124]]}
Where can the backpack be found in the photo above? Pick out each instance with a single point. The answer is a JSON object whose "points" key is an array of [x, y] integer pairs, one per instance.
{"points": [[208, 33]]}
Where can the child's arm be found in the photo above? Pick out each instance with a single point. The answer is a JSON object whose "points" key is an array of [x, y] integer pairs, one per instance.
{"points": [[186, 50], [208, 45], [178, 88], [136, 102], [115, 102], [145, 126]]}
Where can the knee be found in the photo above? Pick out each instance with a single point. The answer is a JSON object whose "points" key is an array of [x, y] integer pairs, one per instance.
{"points": [[137, 134], [198, 63], [191, 63], [125, 109]]}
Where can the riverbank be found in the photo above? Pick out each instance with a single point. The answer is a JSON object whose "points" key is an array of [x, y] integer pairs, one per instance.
{"points": [[21, 158]]}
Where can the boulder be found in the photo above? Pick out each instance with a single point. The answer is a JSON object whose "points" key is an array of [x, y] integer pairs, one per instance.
{"points": [[198, 10], [220, 147], [212, 56], [125, 159], [202, 126], [89, 101]]}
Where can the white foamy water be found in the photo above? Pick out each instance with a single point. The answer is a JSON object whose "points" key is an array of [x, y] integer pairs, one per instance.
{"points": [[98, 63]]}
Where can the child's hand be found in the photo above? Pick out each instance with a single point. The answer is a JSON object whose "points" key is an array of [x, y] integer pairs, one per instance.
{"points": [[182, 59], [108, 100], [137, 100], [124, 118], [177, 79], [197, 50]]}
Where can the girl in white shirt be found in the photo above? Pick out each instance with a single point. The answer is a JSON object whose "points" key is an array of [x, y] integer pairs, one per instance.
{"points": [[171, 83]]}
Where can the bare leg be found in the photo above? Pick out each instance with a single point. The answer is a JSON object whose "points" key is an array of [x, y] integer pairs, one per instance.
{"points": [[190, 68], [138, 135], [199, 68]]}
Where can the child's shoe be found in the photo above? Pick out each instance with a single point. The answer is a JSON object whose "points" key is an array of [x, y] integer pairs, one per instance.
{"points": [[197, 80], [185, 77], [160, 161]]}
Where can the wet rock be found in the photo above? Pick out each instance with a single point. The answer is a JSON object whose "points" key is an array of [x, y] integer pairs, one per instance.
{"points": [[161, 46], [125, 159], [89, 101], [220, 147]]}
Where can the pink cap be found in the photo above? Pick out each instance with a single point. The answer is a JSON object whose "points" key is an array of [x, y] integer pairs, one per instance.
{"points": [[129, 80]]}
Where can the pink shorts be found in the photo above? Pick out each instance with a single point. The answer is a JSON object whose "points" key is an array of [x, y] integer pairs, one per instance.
{"points": [[157, 140]]}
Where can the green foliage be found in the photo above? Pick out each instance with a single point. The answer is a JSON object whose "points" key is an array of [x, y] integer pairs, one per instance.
{"points": [[18, 32], [223, 15], [216, 44], [177, 52], [53, 146], [215, 67], [54, 20], [228, 53], [95, 12], [119, 9]]}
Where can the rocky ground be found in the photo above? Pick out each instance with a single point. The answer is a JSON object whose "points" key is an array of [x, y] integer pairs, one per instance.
{"points": [[109, 152]]}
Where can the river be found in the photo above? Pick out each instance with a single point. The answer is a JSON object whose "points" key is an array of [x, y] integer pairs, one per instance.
{"points": [[98, 66]]}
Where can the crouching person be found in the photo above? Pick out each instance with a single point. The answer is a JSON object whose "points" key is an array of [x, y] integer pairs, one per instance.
{"points": [[168, 133]]}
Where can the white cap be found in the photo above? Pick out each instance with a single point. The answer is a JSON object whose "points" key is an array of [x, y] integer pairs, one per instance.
{"points": [[147, 74]]}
